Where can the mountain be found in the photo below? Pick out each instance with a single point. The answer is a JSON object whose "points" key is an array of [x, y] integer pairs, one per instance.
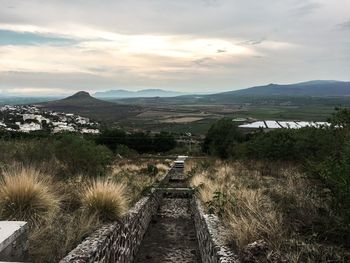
{"points": [[82, 103], [146, 93], [316, 88]]}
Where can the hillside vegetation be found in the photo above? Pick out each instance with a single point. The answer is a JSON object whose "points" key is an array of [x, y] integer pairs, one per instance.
{"points": [[66, 186], [287, 190], [273, 212]]}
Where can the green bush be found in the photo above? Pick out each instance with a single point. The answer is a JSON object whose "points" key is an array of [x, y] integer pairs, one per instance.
{"points": [[112, 138], [139, 141], [152, 169], [293, 145], [81, 156], [324, 153], [222, 139], [336, 173], [32, 152]]}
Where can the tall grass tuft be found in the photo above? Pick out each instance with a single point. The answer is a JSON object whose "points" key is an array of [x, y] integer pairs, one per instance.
{"points": [[273, 205], [25, 194], [54, 239], [106, 199]]}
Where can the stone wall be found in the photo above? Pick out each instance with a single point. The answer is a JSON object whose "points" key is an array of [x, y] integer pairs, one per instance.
{"points": [[120, 241], [13, 241], [211, 236]]}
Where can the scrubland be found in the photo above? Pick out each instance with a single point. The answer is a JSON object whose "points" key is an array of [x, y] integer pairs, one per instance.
{"points": [[67, 187], [273, 211]]}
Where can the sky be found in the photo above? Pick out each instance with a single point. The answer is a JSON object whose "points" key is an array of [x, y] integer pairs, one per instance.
{"points": [[54, 47]]}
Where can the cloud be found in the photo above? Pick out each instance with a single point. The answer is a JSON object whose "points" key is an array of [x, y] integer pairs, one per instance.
{"points": [[306, 8], [201, 44], [344, 25]]}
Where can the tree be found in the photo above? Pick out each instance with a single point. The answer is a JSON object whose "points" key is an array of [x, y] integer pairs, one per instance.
{"points": [[164, 142], [112, 138], [222, 139], [341, 117]]}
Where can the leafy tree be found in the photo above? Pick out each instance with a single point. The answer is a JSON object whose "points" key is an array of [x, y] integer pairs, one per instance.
{"points": [[82, 156], [163, 142], [341, 117], [112, 138], [139, 141], [222, 139]]}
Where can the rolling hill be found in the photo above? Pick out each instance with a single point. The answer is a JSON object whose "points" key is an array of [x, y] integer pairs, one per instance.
{"points": [[316, 88], [85, 105]]}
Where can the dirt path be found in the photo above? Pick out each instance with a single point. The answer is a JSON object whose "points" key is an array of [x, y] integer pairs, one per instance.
{"points": [[171, 235]]}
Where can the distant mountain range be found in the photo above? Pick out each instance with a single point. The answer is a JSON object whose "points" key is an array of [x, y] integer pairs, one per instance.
{"points": [[315, 88], [85, 105], [146, 93], [267, 94]]}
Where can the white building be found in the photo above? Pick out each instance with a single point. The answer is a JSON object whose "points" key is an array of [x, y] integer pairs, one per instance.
{"points": [[28, 127], [39, 118], [28, 117], [82, 120], [63, 127], [90, 131]]}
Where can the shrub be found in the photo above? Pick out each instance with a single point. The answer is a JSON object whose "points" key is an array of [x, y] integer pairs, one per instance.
{"points": [[287, 211], [222, 138], [152, 169], [136, 177], [112, 138], [26, 195], [138, 141], [163, 142], [29, 152], [82, 156], [335, 172], [105, 199]]}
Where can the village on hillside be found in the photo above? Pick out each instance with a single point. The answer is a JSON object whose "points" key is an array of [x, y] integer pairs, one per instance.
{"points": [[27, 118]]}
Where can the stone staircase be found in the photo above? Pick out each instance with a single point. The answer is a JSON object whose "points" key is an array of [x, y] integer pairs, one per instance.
{"points": [[171, 236]]}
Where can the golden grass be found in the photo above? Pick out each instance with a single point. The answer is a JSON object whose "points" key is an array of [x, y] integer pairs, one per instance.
{"points": [[253, 218], [136, 177], [51, 241], [162, 168], [274, 203], [106, 199], [26, 194]]}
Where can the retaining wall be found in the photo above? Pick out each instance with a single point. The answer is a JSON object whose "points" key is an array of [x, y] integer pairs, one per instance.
{"points": [[13, 241], [120, 241], [211, 236]]}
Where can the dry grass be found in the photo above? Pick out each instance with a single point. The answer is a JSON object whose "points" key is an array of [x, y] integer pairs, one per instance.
{"points": [[106, 199], [135, 175], [253, 218], [61, 219], [53, 240], [26, 194], [274, 203]]}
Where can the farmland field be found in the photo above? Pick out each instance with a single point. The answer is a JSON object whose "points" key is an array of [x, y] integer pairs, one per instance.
{"points": [[198, 118]]}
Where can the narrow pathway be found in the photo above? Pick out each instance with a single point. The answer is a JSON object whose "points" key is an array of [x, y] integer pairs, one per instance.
{"points": [[171, 235]]}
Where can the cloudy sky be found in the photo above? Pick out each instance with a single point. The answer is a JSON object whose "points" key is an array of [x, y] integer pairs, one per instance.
{"points": [[62, 46]]}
